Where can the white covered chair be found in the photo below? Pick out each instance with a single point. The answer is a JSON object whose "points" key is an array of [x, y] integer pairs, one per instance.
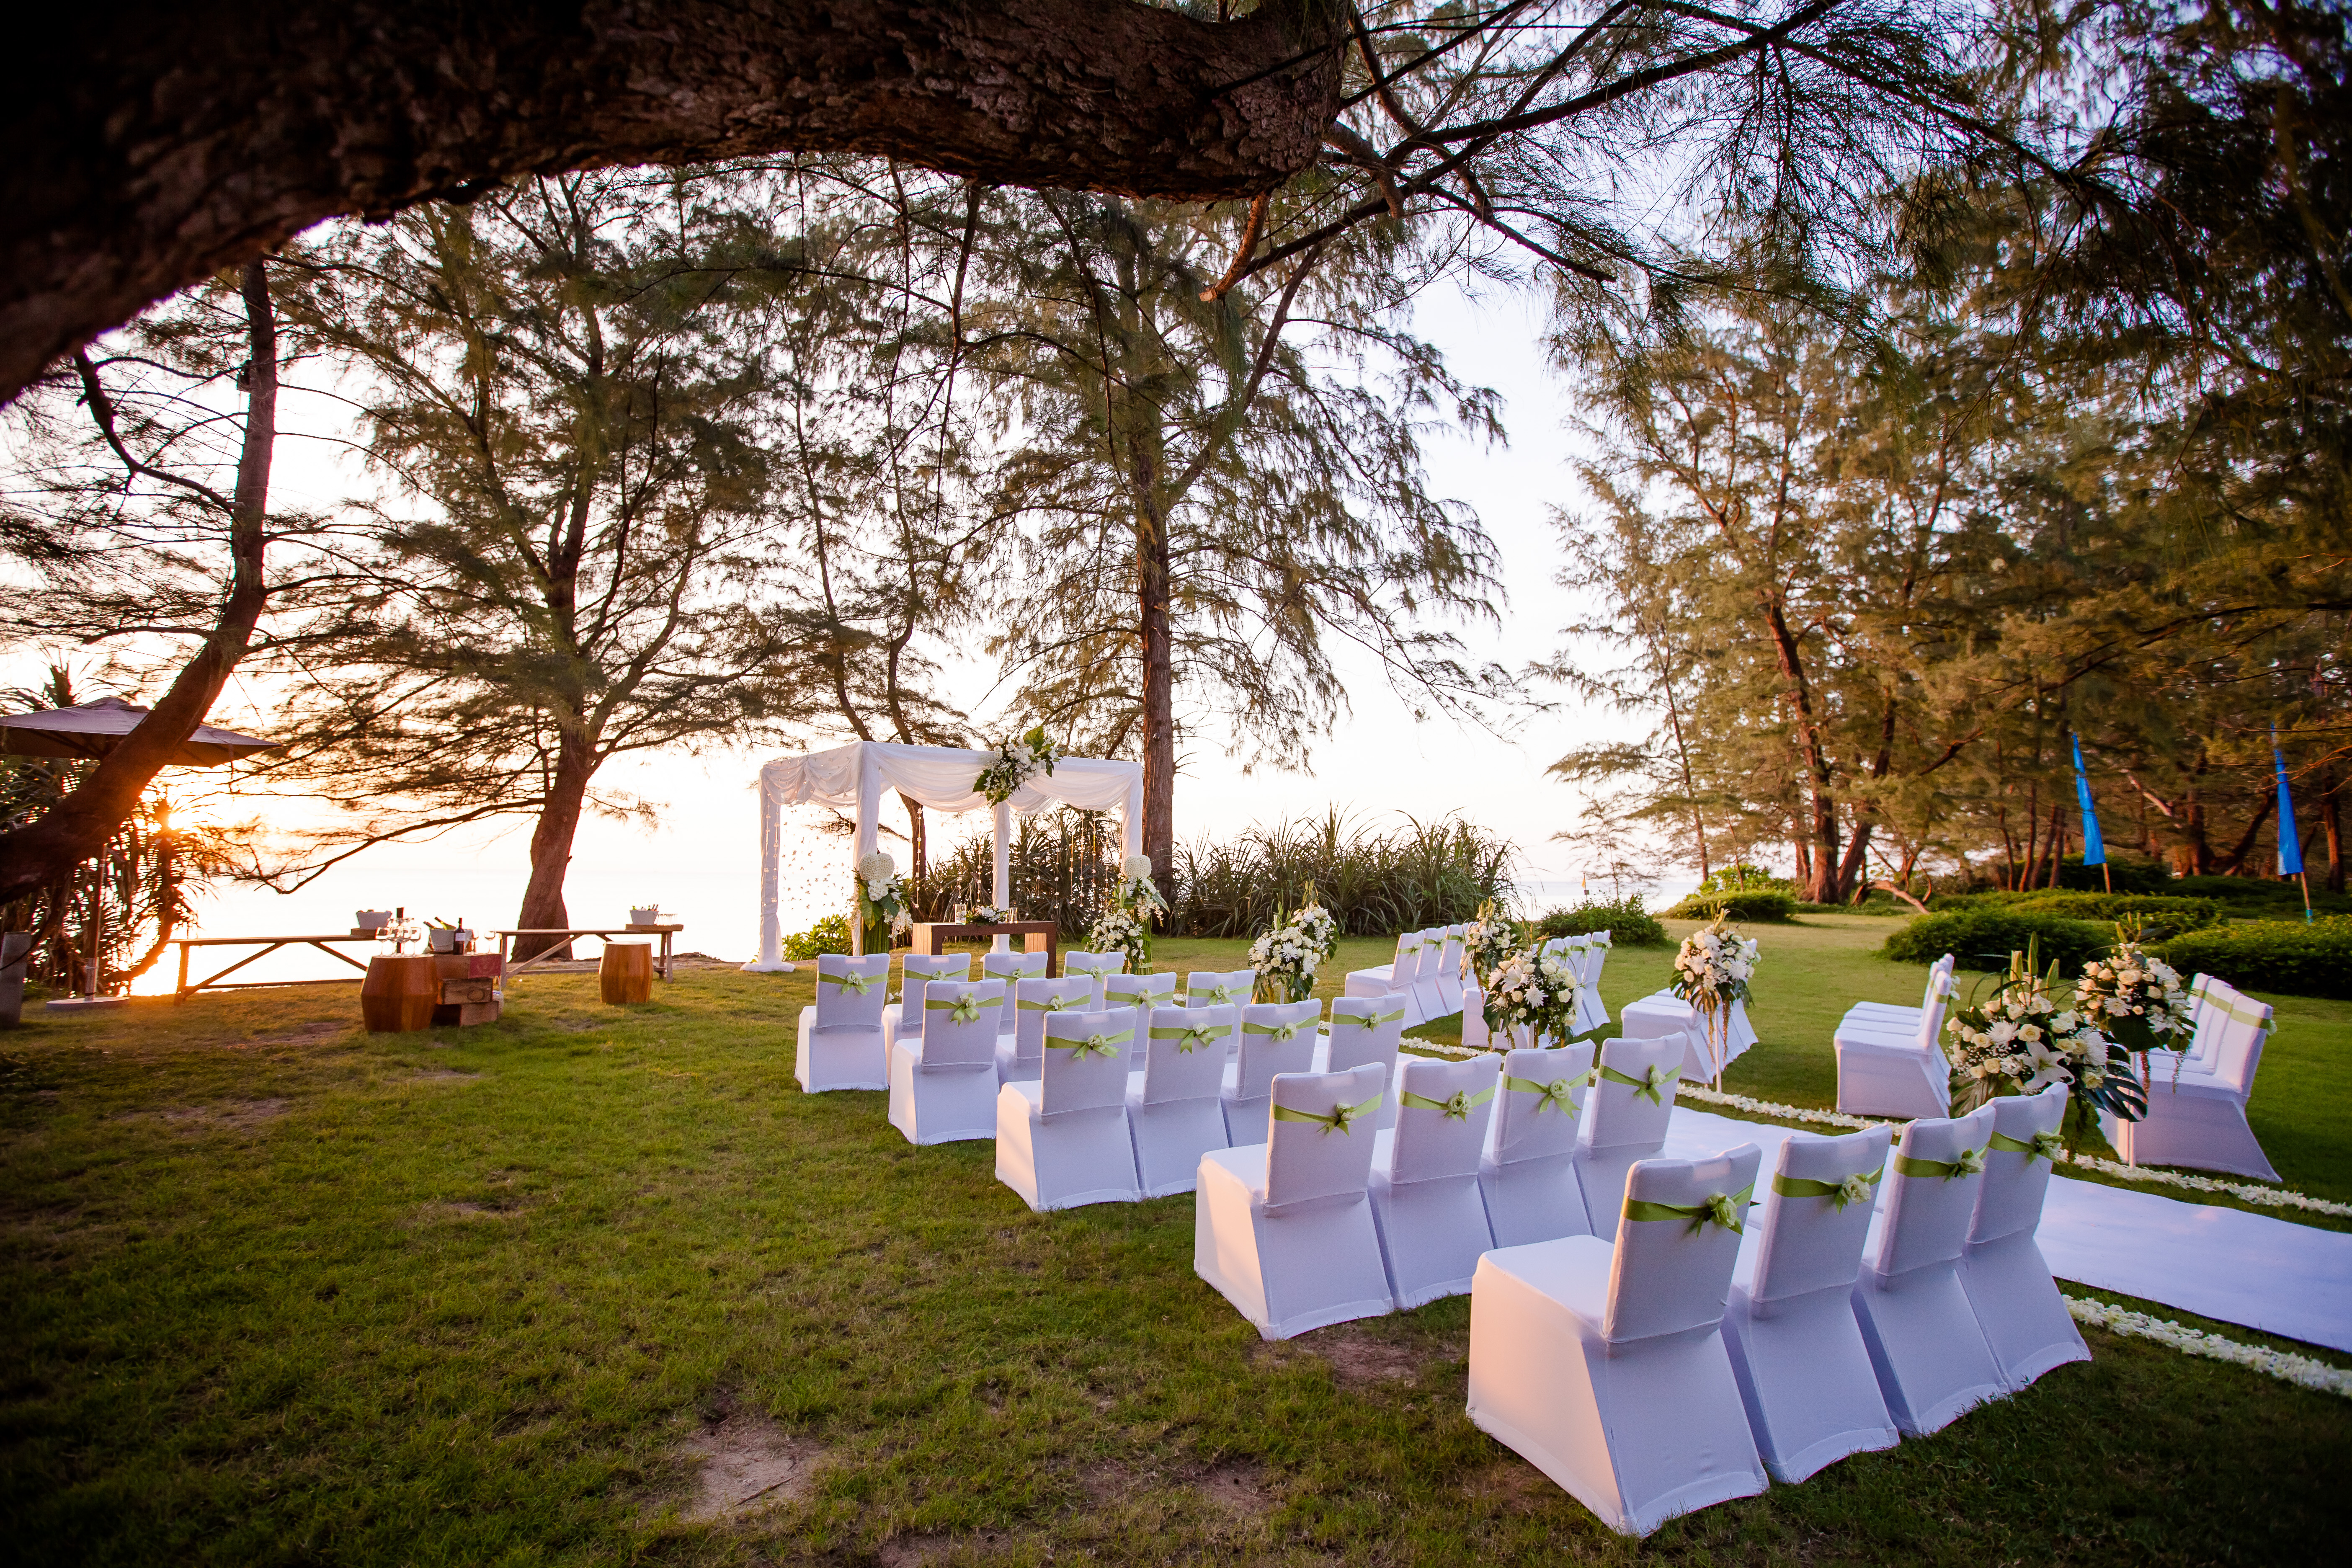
{"points": [[1428, 996], [2197, 1117], [1175, 1104], [1219, 988], [1018, 1055], [943, 1080], [1885, 1068], [1449, 969], [1931, 1359], [1063, 1140], [2025, 1321], [1901, 1017], [1424, 1178], [1605, 1368], [1364, 1030], [1011, 968], [903, 1019], [1527, 1171], [1625, 1118], [1274, 1038], [1394, 978], [841, 1037], [1796, 1347], [1284, 1228], [1475, 1033], [1591, 1013], [1145, 991], [1096, 967]]}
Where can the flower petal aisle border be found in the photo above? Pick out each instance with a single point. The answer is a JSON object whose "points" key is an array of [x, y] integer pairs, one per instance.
{"points": [[2284, 1365]]}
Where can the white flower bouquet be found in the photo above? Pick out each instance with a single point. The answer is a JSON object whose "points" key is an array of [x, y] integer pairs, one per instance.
{"points": [[2021, 1039], [1530, 995], [1017, 762], [1125, 926], [1285, 957], [881, 902], [1487, 941], [2136, 998], [1713, 969], [990, 915]]}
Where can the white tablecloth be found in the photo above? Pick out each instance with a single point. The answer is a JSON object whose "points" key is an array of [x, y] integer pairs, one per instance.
{"points": [[1663, 1013]]}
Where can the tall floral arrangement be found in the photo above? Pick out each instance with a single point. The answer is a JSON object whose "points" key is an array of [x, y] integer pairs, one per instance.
{"points": [[1712, 972], [2136, 998], [2021, 1038], [1125, 925], [881, 902], [1016, 762], [1487, 941], [1531, 994], [1286, 958]]}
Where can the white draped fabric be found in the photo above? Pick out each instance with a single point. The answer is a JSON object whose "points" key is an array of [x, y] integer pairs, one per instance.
{"points": [[852, 778]]}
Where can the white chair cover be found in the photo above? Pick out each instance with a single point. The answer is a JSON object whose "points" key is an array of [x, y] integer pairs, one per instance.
{"points": [[1931, 1359], [1140, 991], [1424, 1178], [943, 1081], [1096, 967], [1019, 1055], [1605, 1368], [1428, 998], [1011, 967], [1527, 1171], [1663, 1013], [1474, 1018], [1063, 1140], [1888, 1070], [1283, 1229], [1624, 1119], [840, 1042], [1219, 988], [1804, 1373], [903, 1019], [1273, 1037], [2008, 1281], [1591, 1013], [1449, 969], [1901, 1016], [1175, 1106], [1364, 1029], [1391, 979], [2196, 1116]]}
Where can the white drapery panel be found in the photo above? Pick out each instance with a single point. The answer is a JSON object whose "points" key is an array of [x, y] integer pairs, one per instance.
{"points": [[852, 778]]}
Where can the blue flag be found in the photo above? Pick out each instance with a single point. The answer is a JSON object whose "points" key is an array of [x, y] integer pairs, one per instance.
{"points": [[2094, 848], [2290, 843]]}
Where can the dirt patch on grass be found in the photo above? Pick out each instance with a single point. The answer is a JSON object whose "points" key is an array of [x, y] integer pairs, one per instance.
{"points": [[919, 1551], [747, 1463], [227, 1115], [1359, 1358], [444, 1075], [309, 1034], [1238, 1487]]}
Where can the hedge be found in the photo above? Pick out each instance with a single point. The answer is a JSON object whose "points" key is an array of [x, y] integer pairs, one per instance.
{"points": [[1748, 904], [1626, 922], [1984, 936], [2175, 914], [2271, 955]]}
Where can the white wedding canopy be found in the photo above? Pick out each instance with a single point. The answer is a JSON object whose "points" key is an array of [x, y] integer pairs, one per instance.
{"points": [[853, 777]]}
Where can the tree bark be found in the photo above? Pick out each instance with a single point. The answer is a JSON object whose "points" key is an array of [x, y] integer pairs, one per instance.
{"points": [[551, 847], [1155, 574], [1820, 884], [78, 826], [153, 144], [2234, 864], [2331, 820]]}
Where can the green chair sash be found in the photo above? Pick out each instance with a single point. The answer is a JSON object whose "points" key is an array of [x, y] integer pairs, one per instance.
{"points": [[1723, 1209], [1647, 1085], [1100, 1045], [1339, 1119], [1554, 1095], [1457, 1108], [1050, 1004], [2045, 1146], [1279, 1031], [962, 1009], [1189, 1040], [852, 980], [1218, 996], [1372, 1022], [1969, 1162], [1840, 1194]]}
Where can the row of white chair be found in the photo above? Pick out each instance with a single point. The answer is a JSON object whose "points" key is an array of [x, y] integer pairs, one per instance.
{"points": [[1426, 977]]}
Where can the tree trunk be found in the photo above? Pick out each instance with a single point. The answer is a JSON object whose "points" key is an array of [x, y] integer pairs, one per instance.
{"points": [[551, 847], [2331, 820], [1154, 574], [2234, 862], [78, 826], [152, 145]]}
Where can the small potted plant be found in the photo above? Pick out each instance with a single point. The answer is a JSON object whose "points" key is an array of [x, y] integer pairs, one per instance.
{"points": [[645, 915]]}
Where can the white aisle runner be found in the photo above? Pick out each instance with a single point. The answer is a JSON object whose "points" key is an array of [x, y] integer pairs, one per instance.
{"points": [[2292, 1281]]}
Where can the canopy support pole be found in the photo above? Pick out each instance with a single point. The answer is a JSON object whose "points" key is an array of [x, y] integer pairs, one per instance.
{"points": [[1003, 867], [771, 844]]}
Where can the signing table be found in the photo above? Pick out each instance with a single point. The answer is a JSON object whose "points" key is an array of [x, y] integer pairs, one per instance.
{"points": [[547, 953], [1036, 936], [267, 945], [1663, 1013]]}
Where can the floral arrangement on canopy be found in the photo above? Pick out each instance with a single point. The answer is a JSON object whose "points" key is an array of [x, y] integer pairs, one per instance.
{"points": [[1017, 762], [1712, 972], [2020, 1040], [1285, 957], [1487, 941], [881, 901], [1124, 926], [2136, 998], [1531, 994]]}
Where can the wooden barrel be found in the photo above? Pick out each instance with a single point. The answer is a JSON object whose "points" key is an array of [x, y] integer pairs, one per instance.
{"points": [[398, 994], [627, 973]]}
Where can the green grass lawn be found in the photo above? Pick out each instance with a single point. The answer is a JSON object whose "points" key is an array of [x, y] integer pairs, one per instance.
{"points": [[279, 1292]]}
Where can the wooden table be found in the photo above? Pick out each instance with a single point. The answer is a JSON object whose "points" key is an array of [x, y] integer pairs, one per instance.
{"points": [[1036, 936], [268, 944], [602, 933]]}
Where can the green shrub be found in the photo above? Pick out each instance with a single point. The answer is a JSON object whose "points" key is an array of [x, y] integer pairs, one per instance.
{"points": [[2239, 889], [1743, 877], [830, 934], [1626, 922], [1984, 937], [2175, 915], [2271, 955], [1750, 904], [2124, 874]]}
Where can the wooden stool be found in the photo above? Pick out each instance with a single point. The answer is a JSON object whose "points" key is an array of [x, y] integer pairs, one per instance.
{"points": [[627, 973], [398, 994]]}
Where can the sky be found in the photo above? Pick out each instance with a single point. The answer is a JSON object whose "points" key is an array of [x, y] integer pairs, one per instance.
{"points": [[700, 862]]}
